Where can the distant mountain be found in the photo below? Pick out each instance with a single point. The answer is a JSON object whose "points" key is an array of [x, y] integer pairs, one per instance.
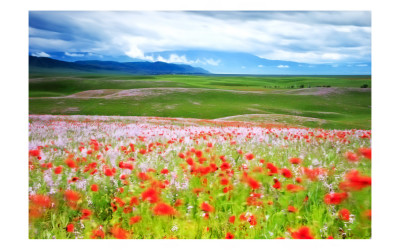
{"points": [[86, 56], [217, 62], [95, 66]]}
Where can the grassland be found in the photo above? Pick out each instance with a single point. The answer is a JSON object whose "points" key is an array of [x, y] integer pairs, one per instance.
{"points": [[312, 101]]}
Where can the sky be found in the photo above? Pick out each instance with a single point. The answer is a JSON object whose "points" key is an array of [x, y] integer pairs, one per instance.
{"points": [[333, 37]]}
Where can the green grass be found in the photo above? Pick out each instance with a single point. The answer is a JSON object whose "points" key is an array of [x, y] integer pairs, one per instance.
{"points": [[343, 110]]}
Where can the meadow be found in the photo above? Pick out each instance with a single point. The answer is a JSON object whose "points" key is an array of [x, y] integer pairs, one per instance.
{"points": [[104, 177], [330, 102], [199, 157]]}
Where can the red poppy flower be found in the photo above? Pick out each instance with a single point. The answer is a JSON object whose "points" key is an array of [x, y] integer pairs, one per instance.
{"points": [[232, 219], [125, 165], [335, 198], [207, 207], [366, 152], [272, 169], [252, 220], [114, 207], [344, 214], [277, 184], [226, 189], [70, 163], [164, 171], [229, 236], [120, 202], [253, 201], [74, 179], [295, 160], [119, 233], [94, 188], [198, 153], [292, 209], [302, 233], [222, 158], [355, 181], [197, 190], [71, 195], [85, 213], [132, 146], [41, 200], [286, 172], [143, 176], [163, 209], [58, 170], [134, 201], [249, 156], [294, 188], [190, 161], [351, 157], [109, 171], [97, 234], [134, 219], [178, 203], [253, 183], [224, 181], [312, 174], [225, 166], [70, 228], [34, 152]]}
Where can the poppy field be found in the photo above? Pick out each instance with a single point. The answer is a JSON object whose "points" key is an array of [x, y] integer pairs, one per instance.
{"points": [[97, 177]]}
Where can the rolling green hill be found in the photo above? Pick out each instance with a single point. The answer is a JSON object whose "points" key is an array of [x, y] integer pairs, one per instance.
{"points": [[341, 104]]}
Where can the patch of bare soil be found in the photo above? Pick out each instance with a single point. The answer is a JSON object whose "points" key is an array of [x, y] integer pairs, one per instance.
{"points": [[72, 109], [320, 91]]}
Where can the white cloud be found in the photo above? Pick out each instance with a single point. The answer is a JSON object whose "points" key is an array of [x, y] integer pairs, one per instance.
{"points": [[174, 58], [332, 56], [41, 54], [308, 37], [74, 54], [260, 66], [283, 66], [212, 62], [361, 65], [309, 56]]}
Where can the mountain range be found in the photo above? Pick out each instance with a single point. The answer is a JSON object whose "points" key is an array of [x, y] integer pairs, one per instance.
{"points": [[202, 62], [40, 64]]}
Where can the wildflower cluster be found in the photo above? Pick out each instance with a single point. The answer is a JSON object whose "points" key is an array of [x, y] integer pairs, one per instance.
{"points": [[99, 178]]}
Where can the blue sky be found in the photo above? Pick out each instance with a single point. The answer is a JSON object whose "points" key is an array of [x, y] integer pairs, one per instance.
{"points": [[339, 38]]}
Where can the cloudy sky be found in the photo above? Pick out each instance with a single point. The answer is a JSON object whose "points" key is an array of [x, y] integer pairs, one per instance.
{"points": [[304, 37]]}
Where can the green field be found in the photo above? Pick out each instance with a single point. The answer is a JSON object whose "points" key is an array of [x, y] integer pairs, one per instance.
{"points": [[313, 101]]}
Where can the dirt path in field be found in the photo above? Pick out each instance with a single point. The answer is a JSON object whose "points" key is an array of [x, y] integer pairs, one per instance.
{"points": [[320, 91], [142, 92], [272, 118]]}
